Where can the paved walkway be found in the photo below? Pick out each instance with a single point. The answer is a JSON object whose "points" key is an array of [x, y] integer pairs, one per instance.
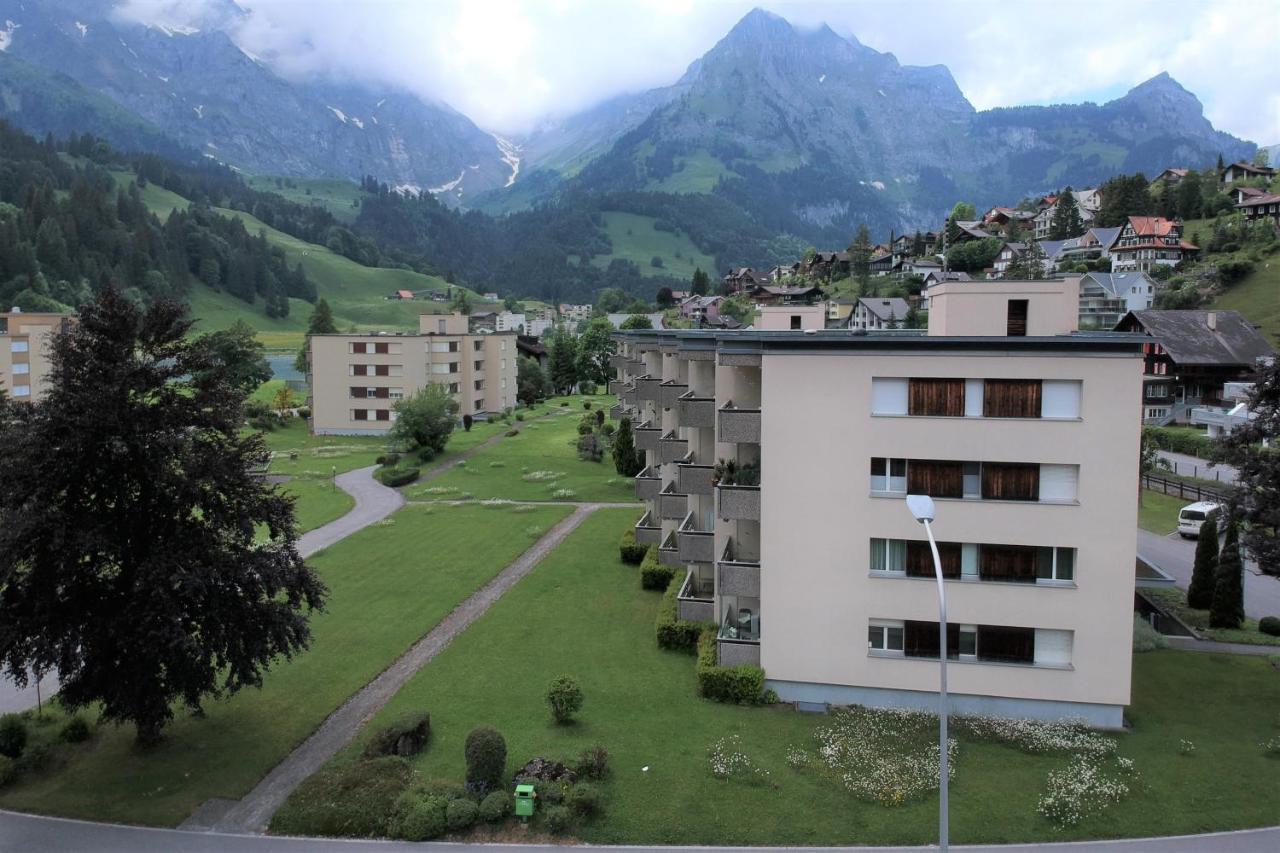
{"points": [[1175, 556], [1190, 644], [374, 502], [253, 813], [1191, 466], [21, 833]]}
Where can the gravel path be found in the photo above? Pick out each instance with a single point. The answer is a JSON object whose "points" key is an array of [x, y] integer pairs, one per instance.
{"points": [[253, 813], [1190, 644]]}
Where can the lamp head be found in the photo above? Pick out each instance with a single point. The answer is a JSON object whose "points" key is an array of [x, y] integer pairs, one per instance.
{"points": [[921, 507]]}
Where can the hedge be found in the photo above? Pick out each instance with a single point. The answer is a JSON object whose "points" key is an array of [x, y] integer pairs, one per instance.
{"points": [[654, 575], [1270, 625], [1186, 441], [393, 477], [673, 632], [631, 551], [742, 684]]}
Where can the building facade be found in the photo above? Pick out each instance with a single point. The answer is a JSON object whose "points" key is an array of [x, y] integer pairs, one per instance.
{"points": [[25, 341], [356, 379], [1146, 242], [802, 551]]}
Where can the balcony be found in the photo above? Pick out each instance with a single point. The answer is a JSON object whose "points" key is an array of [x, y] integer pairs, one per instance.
{"points": [[738, 425], [648, 484], [738, 573], [672, 505], [616, 386], [647, 532], [696, 546], [635, 367], [647, 436], [738, 652], [669, 393], [696, 600], [739, 636], [696, 412], [672, 448], [692, 478], [647, 387], [740, 503], [618, 361], [669, 552], [617, 412], [628, 395]]}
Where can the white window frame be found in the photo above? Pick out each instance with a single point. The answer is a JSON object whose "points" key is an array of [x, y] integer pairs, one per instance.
{"points": [[885, 627], [21, 369], [21, 390], [888, 483], [967, 629], [1058, 567], [891, 551]]}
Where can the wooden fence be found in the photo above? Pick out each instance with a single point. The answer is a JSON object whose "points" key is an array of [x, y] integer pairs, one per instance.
{"points": [[1186, 491]]}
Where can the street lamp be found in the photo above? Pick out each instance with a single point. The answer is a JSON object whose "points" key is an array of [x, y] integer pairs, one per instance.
{"points": [[921, 507]]}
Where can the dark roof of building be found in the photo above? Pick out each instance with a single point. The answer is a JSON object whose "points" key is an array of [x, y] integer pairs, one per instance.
{"points": [[530, 345], [886, 308], [1187, 338], [1259, 200]]}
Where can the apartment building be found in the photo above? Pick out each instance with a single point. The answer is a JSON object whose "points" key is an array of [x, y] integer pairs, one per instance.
{"points": [[24, 351], [779, 463], [357, 378]]}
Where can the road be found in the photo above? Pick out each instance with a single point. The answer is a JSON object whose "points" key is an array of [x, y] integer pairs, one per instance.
{"points": [[1175, 556], [20, 833], [1190, 466]]}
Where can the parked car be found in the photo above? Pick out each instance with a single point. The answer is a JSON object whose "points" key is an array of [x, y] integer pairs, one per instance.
{"points": [[1191, 516]]}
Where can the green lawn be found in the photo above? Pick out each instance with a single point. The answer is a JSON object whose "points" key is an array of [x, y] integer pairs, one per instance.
{"points": [[336, 195], [641, 704], [1176, 600], [635, 239], [1257, 297], [319, 501], [1158, 513], [389, 585], [545, 453], [267, 391], [696, 172]]}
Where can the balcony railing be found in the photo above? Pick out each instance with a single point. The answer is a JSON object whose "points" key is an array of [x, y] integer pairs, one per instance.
{"points": [[696, 412], [647, 387], [628, 395], [739, 502], [672, 447], [647, 531], [696, 546], [692, 478], [738, 425], [616, 386], [696, 600], [738, 574], [737, 652], [617, 412], [647, 436], [672, 505], [618, 361], [648, 484], [635, 367], [669, 393], [669, 552]]}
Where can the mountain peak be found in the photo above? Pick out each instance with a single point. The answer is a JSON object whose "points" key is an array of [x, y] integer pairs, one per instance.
{"points": [[1161, 83], [760, 25]]}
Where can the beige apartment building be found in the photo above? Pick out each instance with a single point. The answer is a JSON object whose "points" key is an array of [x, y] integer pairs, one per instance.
{"points": [[806, 557], [25, 341], [356, 379]]}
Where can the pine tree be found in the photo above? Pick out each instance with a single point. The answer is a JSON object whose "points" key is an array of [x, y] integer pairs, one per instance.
{"points": [[1189, 196], [627, 460], [700, 284], [1066, 222], [1204, 572], [1228, 591], [320, 323], [1256, 498], [860, 258]]}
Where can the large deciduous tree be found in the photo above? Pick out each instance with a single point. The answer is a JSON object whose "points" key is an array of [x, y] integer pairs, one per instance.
{"points": [[1255, 500], [595, 346], [130, 562], [531, 381], [237, 353], [563, 361], [425, 419]]}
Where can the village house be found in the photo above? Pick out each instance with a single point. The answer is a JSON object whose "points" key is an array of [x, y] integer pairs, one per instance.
{"points": [[1239, 194], [741, 279], [827, 265], [1106, 297], [1244, 171], [780, 295], [838, 311], [701, 309], [1009, 253], [25, 357], [919, 266], [403, 295], [938, 276], [885, 264], [1146, 242], [1192, 356], [879, 312], [969, 231], [1262, 206], [1173, 177], [1044, 219]]}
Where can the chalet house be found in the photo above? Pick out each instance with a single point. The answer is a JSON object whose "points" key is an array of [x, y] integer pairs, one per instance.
{"points": [[1009, 253], [403, 295], [920, 266], [885, 264], [969, 231], [938, 276], [902, 245], [1192, 356], [1172, 177], [781, 272], [1264, 206], [1240, 194], [1244, 171], [779, 295], [1106, 297], [838, 311], [484, 321], [701, 309], [827, 264], [876, 312], [1091, 245], [529, 346], [741, 279], [1044, 219], [1146, 242]]}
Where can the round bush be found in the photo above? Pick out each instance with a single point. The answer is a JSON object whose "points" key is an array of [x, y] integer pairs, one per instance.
{"points": [[565, 698], [76, 730], [405, 736], [460, 814], [519, 416], [586, 404], [1270, 625], [583, 800], [495, 807], [557, 818], [593, 763], [13, 735], [486, 755], [418, 818]]}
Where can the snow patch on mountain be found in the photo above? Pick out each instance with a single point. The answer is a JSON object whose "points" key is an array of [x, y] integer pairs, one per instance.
{"points": [[407, 189], [172, 30], [822, 79], [6, 34], [510, 153], [339, 114], [199, 108], [357, 122], [444, 188], [83, 28]]}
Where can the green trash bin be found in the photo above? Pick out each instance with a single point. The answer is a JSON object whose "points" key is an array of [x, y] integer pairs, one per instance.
{"points": [[525, 798]]}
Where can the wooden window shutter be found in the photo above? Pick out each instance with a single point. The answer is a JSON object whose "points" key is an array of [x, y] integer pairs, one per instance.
{"points": [[935, 478], [920, 559], [1010, 481], [1011, 398], [938, 397], [1007, 563]]}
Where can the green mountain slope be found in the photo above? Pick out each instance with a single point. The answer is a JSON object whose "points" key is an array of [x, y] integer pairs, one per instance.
{"points": [[635, 239]]}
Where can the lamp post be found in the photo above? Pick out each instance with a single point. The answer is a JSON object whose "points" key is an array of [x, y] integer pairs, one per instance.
{"points": [[921, 507]]}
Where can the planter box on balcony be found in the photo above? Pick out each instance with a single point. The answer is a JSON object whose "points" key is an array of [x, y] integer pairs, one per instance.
{"points": [[648, 484], [647, 388], [646, 532], [736, 652], [739, 425], [669, 394], [672, 449], [738, 579], [696, 412], [695, 547], [647, 437], [673, 505], [694, 479], [695, 610], [739, 502]]}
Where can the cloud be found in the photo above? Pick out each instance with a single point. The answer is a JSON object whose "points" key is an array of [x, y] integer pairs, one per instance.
{"points": [[510, 63]]}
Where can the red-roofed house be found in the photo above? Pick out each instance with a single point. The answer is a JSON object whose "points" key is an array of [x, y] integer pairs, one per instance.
{"points": [[404, 294], [1146, 242]]}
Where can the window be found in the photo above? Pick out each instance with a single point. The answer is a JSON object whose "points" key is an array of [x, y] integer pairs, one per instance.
{"points": [[21, 369], [1010, 481], [889, 396], [453, 387], [440, 327], [1011, 398], [1058, 483], [1008, 563], [885, 637], [479, 384], [382, 414], [936, 478], [478, 365], [19, 346], [888, 475], [1017, 318], [967, 644], [1060, 398], [359, 370], [1055, 564], [358, 347], [396, 393], [888, 555], [795, 321], [359, 414], [22, 390], [936, 397]]}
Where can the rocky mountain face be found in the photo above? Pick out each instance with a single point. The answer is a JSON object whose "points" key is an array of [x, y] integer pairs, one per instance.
{"points": [[197, 87]]}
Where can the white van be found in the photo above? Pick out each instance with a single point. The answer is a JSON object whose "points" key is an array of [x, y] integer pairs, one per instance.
{"points": [[1191, 516]]}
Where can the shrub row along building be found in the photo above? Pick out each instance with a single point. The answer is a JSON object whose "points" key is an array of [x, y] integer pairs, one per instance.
{"points": [[778, 464]]}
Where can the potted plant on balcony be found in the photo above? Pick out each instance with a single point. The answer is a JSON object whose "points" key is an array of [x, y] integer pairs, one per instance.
{"points": [[748, 474], [725, 472]]}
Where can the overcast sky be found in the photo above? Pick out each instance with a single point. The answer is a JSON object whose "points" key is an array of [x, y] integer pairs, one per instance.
{"points": [[510, 63]]}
